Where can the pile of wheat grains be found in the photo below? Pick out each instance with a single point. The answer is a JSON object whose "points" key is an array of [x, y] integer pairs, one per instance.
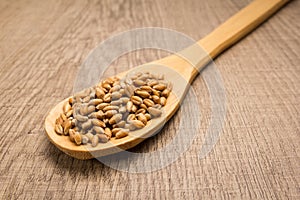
{"points": [[113, 108]]}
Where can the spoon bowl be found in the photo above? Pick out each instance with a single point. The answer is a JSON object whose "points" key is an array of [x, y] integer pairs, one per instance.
{"points": [[134, 137]]}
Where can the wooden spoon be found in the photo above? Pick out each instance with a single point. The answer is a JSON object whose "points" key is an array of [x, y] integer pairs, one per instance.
{"points": [[180, 69]]}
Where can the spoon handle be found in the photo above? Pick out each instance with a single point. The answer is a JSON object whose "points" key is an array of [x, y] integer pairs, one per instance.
{"points": [[230, 32]]}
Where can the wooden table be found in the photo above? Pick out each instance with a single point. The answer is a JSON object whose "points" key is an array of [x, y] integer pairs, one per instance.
{"points": [[44, 43]]}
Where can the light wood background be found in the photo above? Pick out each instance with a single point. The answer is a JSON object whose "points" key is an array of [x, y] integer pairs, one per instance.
{"points": [[42, 45]]}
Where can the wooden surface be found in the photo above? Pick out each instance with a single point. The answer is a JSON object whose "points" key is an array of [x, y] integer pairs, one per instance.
{"points": [[43, 43]]}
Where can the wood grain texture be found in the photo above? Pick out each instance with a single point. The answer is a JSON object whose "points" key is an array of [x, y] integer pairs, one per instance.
{"points": [[43, 43]]}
